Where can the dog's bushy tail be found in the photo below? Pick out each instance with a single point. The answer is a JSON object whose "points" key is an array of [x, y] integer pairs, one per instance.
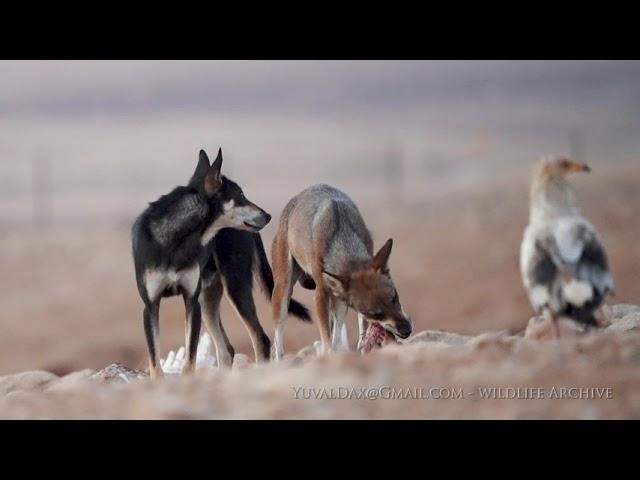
{"points": [[266, 279]]}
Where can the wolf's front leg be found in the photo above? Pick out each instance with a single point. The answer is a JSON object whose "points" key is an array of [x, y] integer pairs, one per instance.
{"points": [[339, 340], [321, 300], [362, 329]]}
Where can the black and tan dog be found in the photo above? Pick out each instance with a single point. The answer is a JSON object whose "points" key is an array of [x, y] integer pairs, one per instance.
{"points": [[196, 241], [171, 245]]}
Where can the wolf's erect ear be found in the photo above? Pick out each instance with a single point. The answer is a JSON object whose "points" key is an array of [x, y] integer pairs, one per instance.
{"points": [[203, 159], [213, 179], [336, 283], [217, 163], [382, 257], [201, 169]]}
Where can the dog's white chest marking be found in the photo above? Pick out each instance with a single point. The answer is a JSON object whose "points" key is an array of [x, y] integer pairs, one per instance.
{"points": [[157, 281], [232, 217], [221, 222]]}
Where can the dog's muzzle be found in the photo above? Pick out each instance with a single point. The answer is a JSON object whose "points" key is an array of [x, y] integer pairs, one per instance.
{"points": [[259, 222], [403, 327], [400, 327]]}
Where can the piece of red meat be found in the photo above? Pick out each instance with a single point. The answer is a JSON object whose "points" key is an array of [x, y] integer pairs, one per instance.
{"points": [[375, 337]]}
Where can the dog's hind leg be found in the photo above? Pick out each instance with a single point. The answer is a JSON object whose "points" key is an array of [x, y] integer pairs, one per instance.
{"points": [[283, 273], [151, 317], [210, 297], [241, 297], [323, 307]]}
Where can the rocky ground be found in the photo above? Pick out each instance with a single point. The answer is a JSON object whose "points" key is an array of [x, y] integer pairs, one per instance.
{"points": [[433, 375], [70, 308]]}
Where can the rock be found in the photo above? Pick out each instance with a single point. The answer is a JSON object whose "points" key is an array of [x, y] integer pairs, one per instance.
{"points": [[539, 328], [118, 372], [34, 380], [72, 381], [448, 338], [502, 340], [240, 360], [618, 312], [625, 319], [19, 396], [310, 351]]}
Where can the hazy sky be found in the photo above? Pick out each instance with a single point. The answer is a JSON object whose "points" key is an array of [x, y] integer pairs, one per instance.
{"points": [[518, 97], [313, 87], [117, 126]]}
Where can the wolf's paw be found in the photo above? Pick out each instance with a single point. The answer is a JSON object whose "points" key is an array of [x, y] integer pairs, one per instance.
{"points": [[276, 353]]}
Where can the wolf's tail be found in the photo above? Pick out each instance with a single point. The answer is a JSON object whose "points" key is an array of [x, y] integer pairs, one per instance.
{"points": [[266, 279]]}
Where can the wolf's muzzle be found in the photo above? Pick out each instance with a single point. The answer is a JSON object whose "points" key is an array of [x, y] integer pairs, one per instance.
{"points": [[403, 327], [259, 222]]}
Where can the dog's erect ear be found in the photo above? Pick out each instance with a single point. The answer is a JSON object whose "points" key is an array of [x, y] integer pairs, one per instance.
{"points": [[382, 257], [201, 169], [213, 179], [338, 284]]}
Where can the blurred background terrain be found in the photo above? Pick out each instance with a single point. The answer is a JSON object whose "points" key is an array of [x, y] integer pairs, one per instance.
{"points": [[436, 154]]}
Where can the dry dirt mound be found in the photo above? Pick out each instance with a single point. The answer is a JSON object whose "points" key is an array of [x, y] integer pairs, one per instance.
{"points": [[434, 375]]}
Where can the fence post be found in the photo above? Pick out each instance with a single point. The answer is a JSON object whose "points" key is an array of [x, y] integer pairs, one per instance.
{"points": [[42, 190], [394, 174], [577, 145]]}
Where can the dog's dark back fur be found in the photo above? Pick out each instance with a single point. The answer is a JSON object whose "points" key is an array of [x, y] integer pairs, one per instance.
{"points": [[179, 244], [168, 233]]}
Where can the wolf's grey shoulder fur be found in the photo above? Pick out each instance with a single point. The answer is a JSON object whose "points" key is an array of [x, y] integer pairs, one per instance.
{"points": [[349, 239], [180, 216]]}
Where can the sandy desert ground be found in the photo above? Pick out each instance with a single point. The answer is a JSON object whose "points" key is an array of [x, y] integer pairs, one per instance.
{"points": [[437, 376], [69, 303]]}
